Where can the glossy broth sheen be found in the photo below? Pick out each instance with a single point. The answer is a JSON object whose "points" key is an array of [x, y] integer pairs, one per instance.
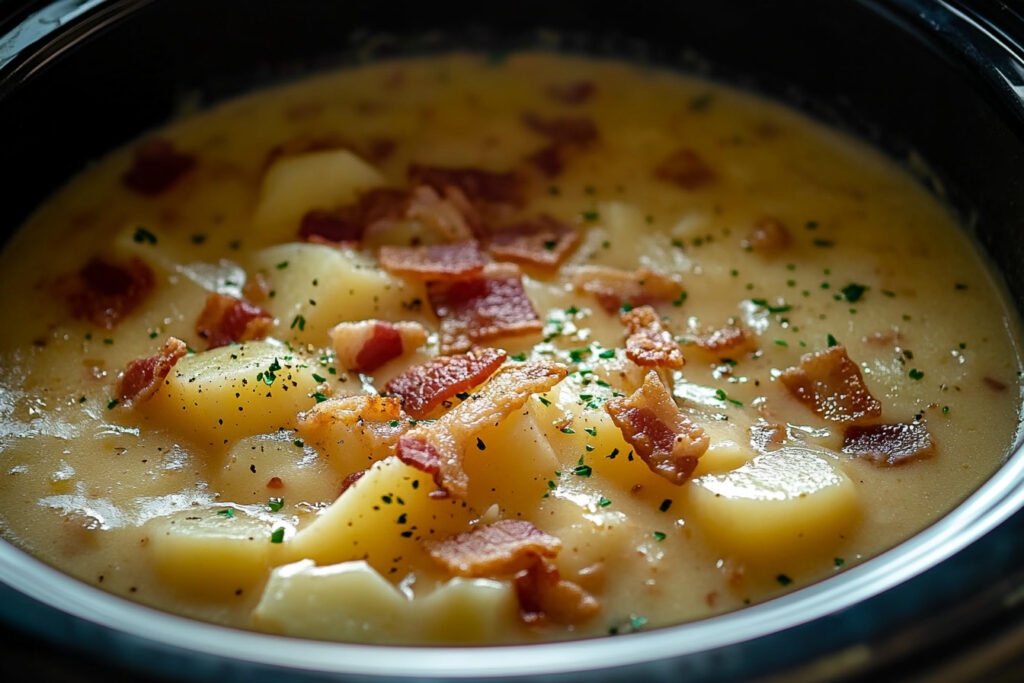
{"points": [[134, 500]]}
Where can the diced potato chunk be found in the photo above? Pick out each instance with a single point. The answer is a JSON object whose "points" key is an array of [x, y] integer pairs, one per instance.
{"points": [[382, 518], [316, 287], [272, 465], [352, 602], [232, 391], [295, 185], [210, 556], [789, 500]]}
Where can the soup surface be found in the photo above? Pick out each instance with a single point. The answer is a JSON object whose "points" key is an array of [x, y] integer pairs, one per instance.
{"points": [[460, 350]]}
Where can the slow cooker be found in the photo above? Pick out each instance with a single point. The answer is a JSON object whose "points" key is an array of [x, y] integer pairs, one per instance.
{"points": [[937, 80]]}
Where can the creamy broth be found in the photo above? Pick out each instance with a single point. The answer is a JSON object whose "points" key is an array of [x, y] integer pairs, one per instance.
{"points": [[201, 498]]}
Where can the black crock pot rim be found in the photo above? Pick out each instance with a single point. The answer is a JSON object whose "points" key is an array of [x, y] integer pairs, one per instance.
{"points": [[142, 627]]}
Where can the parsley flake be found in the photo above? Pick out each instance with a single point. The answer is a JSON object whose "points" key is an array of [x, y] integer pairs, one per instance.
{"points": [[275, 504], [277, 535], [144, 236]]}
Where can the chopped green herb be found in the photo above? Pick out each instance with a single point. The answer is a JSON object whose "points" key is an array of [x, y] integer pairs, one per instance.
{"points": [[567, 430], [590, 215], [81, 399], [282, 265], [853, 292], [275, 504], [142, 235], [824, 243], [637, 622], [319, 378], [518, 357], [112, 403], [615, 451], [226, 512], [609, 353], [763, 303], [626, 307], [154, 335], [665, 505], [781, 342], [783, 580], [277, 535], [544, 400], [300, 321], [319, 397], [550, 245], [591, 430], [839, 562], [659, 536], [604, 502], [945, 410], [298, 443], [915, 373], [462, 395], [831, 341], [480, 444]]}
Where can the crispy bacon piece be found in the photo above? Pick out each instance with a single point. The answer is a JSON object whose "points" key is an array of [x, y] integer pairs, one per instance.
{"points": [[156, 167], [348, 224], [426, 386], [889, 445], [648, 343], [476, 184], [505, 547], [830, 384], [572, 93], [104, 292], [491, 305], [376, 422], [434, 262], [668, 441], [726, 342], [351, 478], [366, 345], [226, 319], [452, 216], [686, 169], [142, 376], [563, 130], [613, 287], [545, 596], [541, 241], [768, 236], [437, 448]]}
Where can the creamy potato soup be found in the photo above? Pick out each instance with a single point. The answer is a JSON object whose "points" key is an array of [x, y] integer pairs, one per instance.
{"points": [[465, 350]]}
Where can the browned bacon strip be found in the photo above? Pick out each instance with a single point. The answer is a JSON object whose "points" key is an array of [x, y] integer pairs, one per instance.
{"points": [[544, 596], [729, 341], [104, 292], [668, 441], [614, 288], [348, 224], [156, 167], [649, 344], [226, 319], [541, 241], [830, 384], [351, 478], [563, 130], [476, 184], [438, 448], [482, 308], [435, 262], [888, 445], [142, 376], [505, 547], [366, 345], [686, 169], [424, 387], [572, 93]]}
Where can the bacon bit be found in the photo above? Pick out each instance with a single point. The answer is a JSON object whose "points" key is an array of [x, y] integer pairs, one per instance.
{"points": [[377, 422], [476, 184], [576, 92], [544, 596], [226, 319], [668, 441], [563, 130], [993, 383], [142, 376], [764, 434], [613, 287], [649, 344], [505, 547], [830, 384], [435, 262], [481, 308], [542, 241], [275, 483], [424, 387], [348, 224], [350, 479], [548, 160], [104, 293], [768, 236], [727, 341], [437, 448], [156, 167], [366, 345], [452, 216], [889, 445], [686, 169]]}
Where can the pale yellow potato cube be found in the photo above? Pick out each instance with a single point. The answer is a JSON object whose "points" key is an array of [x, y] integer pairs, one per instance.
{"points": [[466, 611], [210, 556], [295, 185], [300, 474], [787, 501], [382, 518], [316, 287], [222, 394]]}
